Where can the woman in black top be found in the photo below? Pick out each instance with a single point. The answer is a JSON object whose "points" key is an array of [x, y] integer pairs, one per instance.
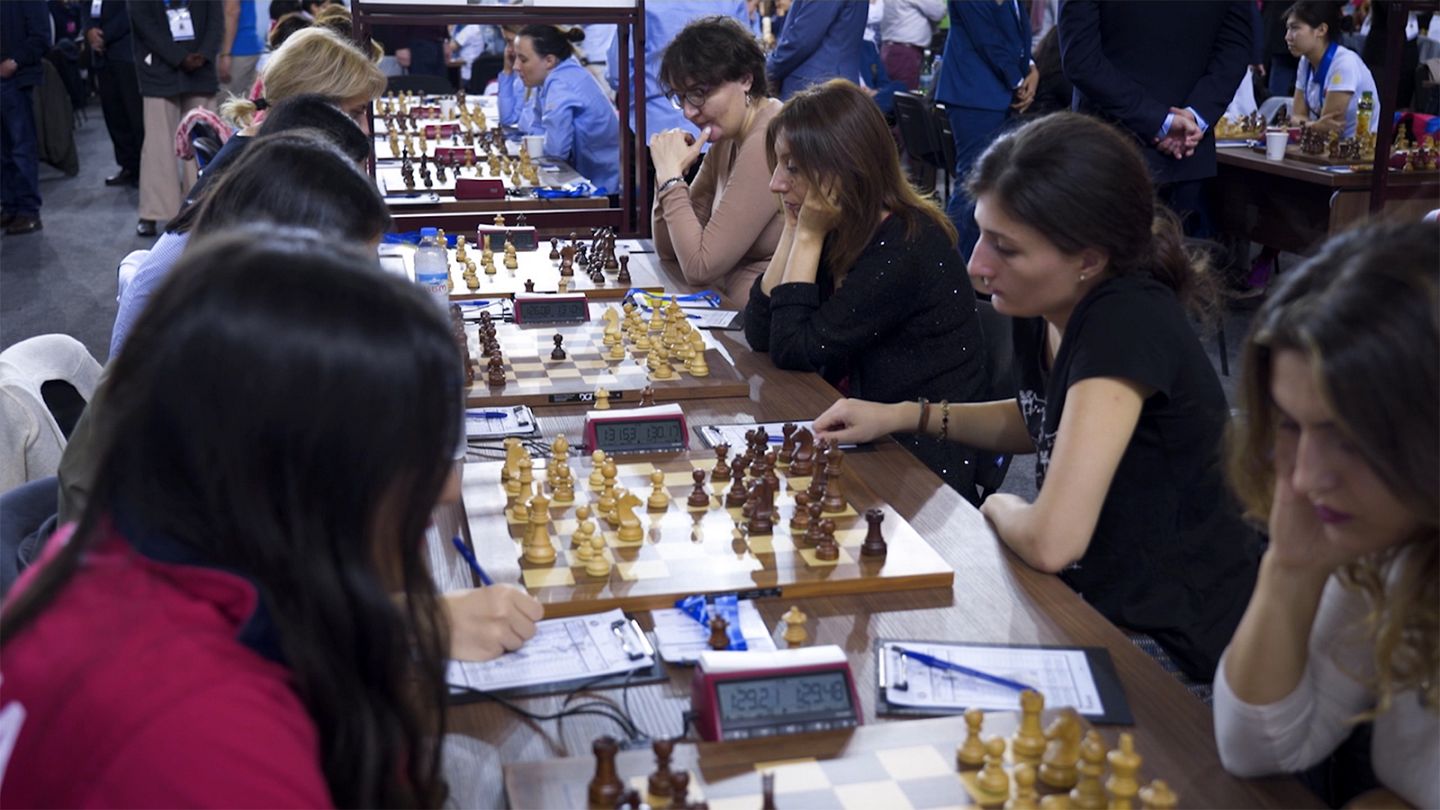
{"points": [[1115, 396], [866, 286]]}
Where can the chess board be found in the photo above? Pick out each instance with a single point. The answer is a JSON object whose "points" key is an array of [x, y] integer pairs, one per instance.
{"points": [[532, 378], [893, 766], [392, 180], [446, 144], [689, 550], [535, 266]]}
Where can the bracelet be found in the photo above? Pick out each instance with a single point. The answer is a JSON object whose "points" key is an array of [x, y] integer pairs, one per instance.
{"points": [[924, 416], [668, 183], [223, 54], [944, 419]]}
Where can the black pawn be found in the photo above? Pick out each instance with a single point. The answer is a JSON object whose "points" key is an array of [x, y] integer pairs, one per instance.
{"points": [[554, 250], [558, 353], [529, 285], [624, 278], [698, 495]]}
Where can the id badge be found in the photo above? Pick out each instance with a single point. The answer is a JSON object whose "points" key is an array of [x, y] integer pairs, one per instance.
{"points": [[95, 8], [182, 28]]}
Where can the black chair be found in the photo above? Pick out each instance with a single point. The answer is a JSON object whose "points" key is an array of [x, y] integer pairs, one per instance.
{"points": [[420, 83], [205, 142], [917, 133], [945, 137], [990, 468]]}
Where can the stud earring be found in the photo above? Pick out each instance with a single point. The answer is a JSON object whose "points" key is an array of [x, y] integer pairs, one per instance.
{"points": [[1082, 278]]}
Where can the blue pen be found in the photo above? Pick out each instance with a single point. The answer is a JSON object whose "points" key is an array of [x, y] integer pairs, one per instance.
{"points": [[940, 663], [470, 559], [488, 414]]}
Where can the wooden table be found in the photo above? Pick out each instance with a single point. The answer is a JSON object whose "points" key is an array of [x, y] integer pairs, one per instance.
{"points": [[995, 598], [1294, 206]]}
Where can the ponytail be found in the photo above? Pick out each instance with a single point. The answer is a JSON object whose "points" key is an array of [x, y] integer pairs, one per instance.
{"points": [[548, 40]]}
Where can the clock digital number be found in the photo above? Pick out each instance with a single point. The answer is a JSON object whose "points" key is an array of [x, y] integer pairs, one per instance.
{"points": [[541, 311], [790, 698], [639, 435]]}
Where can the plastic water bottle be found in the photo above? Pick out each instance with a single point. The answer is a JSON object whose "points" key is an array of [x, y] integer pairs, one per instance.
{"points": [[927, 75], [432, 266]]}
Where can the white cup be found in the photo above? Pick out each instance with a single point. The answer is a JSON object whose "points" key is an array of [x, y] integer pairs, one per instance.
{"points": [[447, 108], [1275, 141], [535, 145]]}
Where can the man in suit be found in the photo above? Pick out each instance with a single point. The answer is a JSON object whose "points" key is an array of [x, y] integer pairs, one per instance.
{"points": [[985, 78], [820, 41], [112, 56], [1164, 72], [24, 38]]}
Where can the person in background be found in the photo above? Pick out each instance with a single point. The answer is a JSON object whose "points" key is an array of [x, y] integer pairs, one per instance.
{"points": [[112, 57], [1280, 65], [820, 41], [906, 31], [1342, 626], [1115, 395], [987, 77], [469, 44], [571, 109], [272, 583], [595, 53], [865, 286], [1053, 92], [24, 38], [240, 47], [722, 229], [1331, 78], [175, 59]]}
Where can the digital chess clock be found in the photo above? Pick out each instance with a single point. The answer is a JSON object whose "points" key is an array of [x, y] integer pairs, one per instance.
{"points": [[745, 695], [654, 429], [538, 308]]}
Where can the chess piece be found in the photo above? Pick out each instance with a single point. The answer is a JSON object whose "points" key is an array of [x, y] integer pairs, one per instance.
{"points": [[767, 790], [623, 279], [529, 285], [584, 530], [874, 545], [795, 633], [602, 400], [833, 501], [762, 513], [719, 640], [617, 352], [800, 521], [606, 787], [787, 445], [735, 498], [803, 461], [1028, 742], [827, 549], [659, 499], [1124, 765], [722, 470], [698, 496], [1088, 793], [538, 548], [680, 784], [663, 371], [1025, 797], [992, 781], [658, 788], [558, 353], [495, 371], [971, 753], [647, 396], [554, 249], [597, 473], [696, 364], [1057, 769], [1158, 796], [630, 531]]}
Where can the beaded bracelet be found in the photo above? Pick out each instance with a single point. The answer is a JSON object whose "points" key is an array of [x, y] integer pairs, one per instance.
{"points": [[924, 416], [944, 419]]}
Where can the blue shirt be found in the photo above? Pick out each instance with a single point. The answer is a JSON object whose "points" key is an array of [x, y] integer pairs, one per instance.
{"points": [[579, 123], [663, 22], [247, 36], [152, 273], [516, 109]]}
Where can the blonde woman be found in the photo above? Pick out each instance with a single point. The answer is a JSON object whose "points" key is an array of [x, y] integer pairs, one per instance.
{"points": [[316, 60], [1339, 452]]}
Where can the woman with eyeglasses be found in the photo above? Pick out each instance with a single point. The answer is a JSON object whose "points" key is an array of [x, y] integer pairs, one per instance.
{"points": [[570, 108], [721, 230]]}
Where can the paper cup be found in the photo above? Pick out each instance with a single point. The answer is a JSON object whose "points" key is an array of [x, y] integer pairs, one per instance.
{"points": [[1275, 141], [535, 145]]}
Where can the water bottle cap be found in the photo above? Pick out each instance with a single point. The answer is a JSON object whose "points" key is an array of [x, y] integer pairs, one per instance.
{"points": [[429, 232]]}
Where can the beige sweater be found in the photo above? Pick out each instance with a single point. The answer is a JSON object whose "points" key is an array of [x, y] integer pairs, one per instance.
{"points": [[722, 231]]}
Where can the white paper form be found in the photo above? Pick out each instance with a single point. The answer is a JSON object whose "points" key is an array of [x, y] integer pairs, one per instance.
{"points": [[569, 649], [681, 639], [1062, 676]]}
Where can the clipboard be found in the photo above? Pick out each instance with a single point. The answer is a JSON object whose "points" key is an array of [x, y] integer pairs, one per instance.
{"points": [[1114, 709]]}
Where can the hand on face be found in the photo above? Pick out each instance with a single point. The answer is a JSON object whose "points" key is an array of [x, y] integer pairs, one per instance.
{"points": [[674, 151], [820, 212], [488, 622]]}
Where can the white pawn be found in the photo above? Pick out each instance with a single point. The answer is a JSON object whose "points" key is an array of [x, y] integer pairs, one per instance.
{"points": [[659, 499], [598, 565], [597, 472]]}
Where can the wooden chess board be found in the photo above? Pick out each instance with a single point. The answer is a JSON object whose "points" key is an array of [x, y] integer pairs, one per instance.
{"points": [[690, 550], [532, 378], [446, 144], [892, 766], [535, 266], [392, 179]]}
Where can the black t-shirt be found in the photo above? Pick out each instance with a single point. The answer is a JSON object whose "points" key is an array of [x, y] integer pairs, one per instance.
{"points": [[1170, 556]]}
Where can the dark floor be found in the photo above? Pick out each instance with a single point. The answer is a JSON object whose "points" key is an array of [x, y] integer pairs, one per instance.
{"points": [[62, 279]]}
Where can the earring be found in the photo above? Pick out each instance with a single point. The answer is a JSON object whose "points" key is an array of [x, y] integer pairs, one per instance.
{"points": [[1082, 278]]}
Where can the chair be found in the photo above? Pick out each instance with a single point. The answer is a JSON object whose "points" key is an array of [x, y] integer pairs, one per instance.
{"points": [[45, 382], [917, 133], [945, 136], [420, 83], [990, 468], [1270, 105]]}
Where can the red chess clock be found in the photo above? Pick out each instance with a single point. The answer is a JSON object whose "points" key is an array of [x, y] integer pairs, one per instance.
{"points": [[656, 429], [745, 695]]}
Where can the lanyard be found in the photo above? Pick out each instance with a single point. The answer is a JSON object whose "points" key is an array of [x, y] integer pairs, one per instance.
{"points": [[1324, 69]]}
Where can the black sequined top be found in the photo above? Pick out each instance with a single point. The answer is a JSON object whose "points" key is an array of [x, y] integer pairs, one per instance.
{"points": [[901, 326]]}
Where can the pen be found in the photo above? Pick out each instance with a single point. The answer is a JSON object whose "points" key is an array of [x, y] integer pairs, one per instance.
{"points": [[940, 663], [470, 559], [489, 414]]}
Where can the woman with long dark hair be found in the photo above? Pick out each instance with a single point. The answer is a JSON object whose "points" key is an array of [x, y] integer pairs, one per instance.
{"points": [[865, 285], [221, 627], [1338, 454], [1116, 397]]}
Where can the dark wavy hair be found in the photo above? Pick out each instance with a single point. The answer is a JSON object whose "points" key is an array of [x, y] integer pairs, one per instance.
{"points": [[289, 413], [296, 178], [1083, 184], [711, 51], [1364, 311], [828, 126]]}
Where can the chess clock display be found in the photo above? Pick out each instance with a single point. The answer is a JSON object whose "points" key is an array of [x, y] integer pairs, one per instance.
{"points": [[656, 429], [551, 309], [739, 696]]}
